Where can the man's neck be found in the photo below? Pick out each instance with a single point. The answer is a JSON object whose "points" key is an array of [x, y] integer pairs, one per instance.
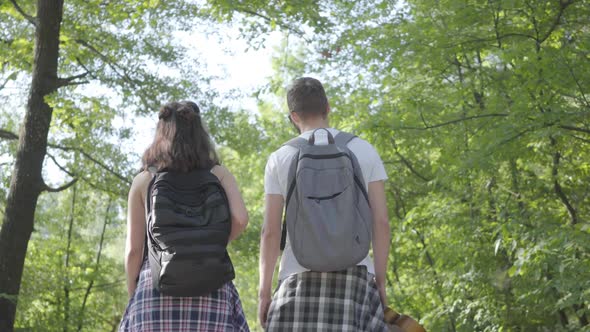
{"points": [[312, 125]]}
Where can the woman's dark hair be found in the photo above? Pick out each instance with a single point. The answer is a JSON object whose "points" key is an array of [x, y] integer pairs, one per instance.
{"points": [[181, 143]]}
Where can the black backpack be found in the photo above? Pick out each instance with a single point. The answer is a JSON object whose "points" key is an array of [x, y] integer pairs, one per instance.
{"points": [[188, 227]]}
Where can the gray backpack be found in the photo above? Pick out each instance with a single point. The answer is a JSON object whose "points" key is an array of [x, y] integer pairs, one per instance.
{"points": [[327, 211]]}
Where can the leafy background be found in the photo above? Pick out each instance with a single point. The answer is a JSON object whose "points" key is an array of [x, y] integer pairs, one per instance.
{"points": [[479, 109]]}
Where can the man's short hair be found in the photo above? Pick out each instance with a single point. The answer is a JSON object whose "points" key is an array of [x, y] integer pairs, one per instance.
{"points": [[306, 96]]}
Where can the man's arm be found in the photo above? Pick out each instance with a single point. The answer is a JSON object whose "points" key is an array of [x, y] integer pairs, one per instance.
{"points": [[269, 251], [381, 235]]}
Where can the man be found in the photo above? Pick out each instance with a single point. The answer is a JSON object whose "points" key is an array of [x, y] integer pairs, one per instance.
{"points": [[323, 301]]}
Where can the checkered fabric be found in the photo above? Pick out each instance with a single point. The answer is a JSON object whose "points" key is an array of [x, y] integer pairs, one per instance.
{"points": [[150, 311], [327, 301]]}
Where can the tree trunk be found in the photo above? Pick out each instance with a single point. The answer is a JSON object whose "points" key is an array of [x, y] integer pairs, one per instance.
{"points": [[27, 183]]}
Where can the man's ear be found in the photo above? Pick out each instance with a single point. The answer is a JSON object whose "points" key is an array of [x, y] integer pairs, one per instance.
{"points": [[328, 110], [295, 120], [295, 117]]}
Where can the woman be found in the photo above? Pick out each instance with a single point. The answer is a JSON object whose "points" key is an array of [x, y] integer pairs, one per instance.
{"points": [[181, 144]]}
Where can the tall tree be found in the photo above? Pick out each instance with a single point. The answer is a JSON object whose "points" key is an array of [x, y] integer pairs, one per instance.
{"points": [[67, 54], [27, 181]]}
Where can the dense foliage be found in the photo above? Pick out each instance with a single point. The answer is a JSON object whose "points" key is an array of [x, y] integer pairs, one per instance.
{"points": [[479, 109]]}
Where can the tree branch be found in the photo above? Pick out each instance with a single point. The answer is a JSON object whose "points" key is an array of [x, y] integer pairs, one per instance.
{"points": [[455, 121], [582, 130], [407, 162], [497, 39], [96, 267], [583, 319], [119, 70], [66, 286], [68, 81], [28, 17], [89, 157], [62, 188], [8, 135], [90, 183], [557, 187], [105, 285], [268, 19], [435, 274], [81, 64], [8, 79], [577, 81], [63, 169], [11, 136], [587, 141], [114, 66], [562, 6]]}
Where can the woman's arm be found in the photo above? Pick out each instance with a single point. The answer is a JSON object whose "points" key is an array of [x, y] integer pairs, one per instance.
{"points": [[136, 225], [239, 214]]}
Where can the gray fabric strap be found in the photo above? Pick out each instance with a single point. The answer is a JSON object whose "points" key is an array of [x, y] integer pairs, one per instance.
{"points": [[329, 134], [296, 142], [342, 138]]}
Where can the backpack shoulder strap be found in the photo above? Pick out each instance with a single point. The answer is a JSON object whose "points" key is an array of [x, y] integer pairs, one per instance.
{"points": [[148, 206], [296, 142], [148, 198], [342, 138], [291, 179]]}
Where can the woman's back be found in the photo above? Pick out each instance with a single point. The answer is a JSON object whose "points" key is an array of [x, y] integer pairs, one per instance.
{"points": [[181, 144]]}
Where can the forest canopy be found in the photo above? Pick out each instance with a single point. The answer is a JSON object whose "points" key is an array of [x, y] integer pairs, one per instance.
{"points": [[480, 111]]}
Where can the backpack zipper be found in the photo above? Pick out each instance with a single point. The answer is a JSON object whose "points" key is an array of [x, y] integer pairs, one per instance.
{"points": [[326, 156], [329, 156], [323, 198]]}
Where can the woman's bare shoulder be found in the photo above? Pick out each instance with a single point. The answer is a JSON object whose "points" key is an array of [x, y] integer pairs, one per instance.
{"points": [[143, 177], [220, 172], [140, 182]]}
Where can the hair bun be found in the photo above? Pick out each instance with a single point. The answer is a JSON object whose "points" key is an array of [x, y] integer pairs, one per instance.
{"points": [[192, 106], [186, 112], [165, 112]]}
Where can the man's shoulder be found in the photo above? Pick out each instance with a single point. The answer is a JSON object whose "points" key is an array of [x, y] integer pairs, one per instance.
{"points": [[360, 144], [283, 150], [364, 151], [282, 155]]}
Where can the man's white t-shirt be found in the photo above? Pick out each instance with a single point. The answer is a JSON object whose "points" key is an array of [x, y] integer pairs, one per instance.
{"points": [[277, 172]]}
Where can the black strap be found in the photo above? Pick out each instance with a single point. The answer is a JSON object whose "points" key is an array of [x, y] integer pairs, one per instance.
{"points": [[284, 232], [148, 206], [148, 196]]}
